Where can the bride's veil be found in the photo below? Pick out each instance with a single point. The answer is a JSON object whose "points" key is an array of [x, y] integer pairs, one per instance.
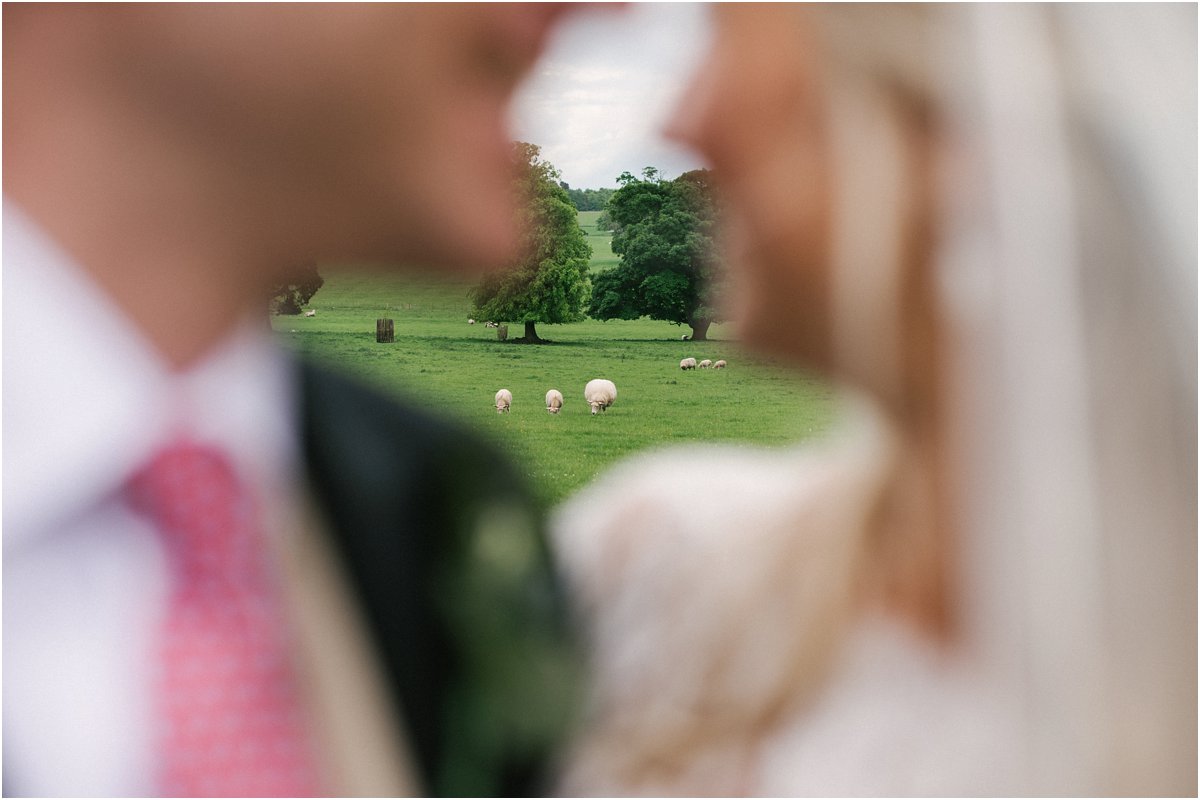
{"points": [[1070, 283]]}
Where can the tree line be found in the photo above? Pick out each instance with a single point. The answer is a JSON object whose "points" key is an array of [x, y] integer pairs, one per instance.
{"points": [[662, 232], [587, 199]]}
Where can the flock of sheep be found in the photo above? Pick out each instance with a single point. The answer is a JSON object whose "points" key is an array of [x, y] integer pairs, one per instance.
{"points": [[691, 363], [599, 393]]}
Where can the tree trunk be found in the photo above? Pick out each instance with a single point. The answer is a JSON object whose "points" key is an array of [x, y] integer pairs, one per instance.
{"points": [[385, 331], [531, 336], [700, 329]]}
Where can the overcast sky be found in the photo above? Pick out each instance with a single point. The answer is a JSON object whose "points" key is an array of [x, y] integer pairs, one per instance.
{"points": [[597, 101]]}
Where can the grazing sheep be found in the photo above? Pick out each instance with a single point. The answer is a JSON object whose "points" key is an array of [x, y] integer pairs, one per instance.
{"points": [[600, 394], [684, 338], [720, 364], [687, 363], [312, 312], [490, 324], [470, 322], [705, 364], [554, 400], [503, 401]]}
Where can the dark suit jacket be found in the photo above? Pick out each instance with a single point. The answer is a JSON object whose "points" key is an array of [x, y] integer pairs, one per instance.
{"points": [[446, 554]]}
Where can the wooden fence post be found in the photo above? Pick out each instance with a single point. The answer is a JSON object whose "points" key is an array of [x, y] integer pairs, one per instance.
{"points": [[502, 333], [384, 331]]}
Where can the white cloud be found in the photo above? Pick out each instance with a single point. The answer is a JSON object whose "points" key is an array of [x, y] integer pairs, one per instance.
{"points": [[604, 89]]}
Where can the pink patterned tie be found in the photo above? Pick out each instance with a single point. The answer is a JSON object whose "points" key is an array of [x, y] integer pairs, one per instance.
{"points": [[232, 723]]}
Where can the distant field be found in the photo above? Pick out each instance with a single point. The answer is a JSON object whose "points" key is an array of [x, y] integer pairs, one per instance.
{"points": [[601, 241], [456, 368]]}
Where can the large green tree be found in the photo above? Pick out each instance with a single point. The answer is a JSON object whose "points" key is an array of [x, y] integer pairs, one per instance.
{"points": [[550, 282], [663, 233]]}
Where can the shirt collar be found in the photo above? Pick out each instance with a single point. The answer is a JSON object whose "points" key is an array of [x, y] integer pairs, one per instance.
{"points": [[87, 399]]}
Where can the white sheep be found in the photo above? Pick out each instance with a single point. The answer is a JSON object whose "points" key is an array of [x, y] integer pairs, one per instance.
{"points": [[312, 312], [720, 364], [687, 363], [470, 322], [554, 401], [684, 338], [600, 394], [705, 364], [503, 401]]}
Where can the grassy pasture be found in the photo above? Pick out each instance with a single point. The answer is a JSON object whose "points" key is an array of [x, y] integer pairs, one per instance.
{"points": [[441, 361], [601, 242]]}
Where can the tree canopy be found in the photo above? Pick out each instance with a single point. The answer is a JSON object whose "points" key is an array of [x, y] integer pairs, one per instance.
{"points": [[663, 233], [550, 282], [290, 297]]}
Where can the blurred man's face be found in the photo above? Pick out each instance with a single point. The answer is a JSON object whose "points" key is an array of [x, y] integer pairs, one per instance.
{"points": [[373, 131]]}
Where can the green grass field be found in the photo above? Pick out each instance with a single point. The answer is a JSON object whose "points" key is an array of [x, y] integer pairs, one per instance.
{"points": [[456, 368], [601, 242]]}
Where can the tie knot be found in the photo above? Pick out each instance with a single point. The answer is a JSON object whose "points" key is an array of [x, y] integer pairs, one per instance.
{"points": [[192, 494]]}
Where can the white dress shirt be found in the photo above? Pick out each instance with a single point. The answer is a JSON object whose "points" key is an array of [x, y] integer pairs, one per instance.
{"points": [[87, 401]]}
